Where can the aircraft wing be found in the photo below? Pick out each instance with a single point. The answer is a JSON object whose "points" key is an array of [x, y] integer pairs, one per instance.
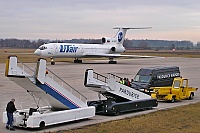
{"points": [[116, 55]]}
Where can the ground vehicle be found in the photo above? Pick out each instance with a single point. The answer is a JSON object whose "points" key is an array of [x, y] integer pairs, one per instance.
{"points": [[154, 77], [63, 102], [119, 97], [178, 91]]}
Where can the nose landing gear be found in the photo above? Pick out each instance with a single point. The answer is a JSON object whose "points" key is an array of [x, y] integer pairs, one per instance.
{"points": [[52, 61], [77, 60]]}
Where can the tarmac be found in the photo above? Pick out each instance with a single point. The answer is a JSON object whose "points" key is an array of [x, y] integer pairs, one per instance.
{"points": [[73, 74]]}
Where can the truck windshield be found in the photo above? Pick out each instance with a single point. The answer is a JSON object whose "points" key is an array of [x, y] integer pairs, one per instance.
{"points": [[142, 78], [177, 84]]}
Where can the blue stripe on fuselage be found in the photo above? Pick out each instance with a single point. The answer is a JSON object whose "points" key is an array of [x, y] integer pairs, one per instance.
{"points": [[51, 91]]}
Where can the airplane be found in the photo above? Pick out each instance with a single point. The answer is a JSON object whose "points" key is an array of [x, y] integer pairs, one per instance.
{"points": [[110, 48]]}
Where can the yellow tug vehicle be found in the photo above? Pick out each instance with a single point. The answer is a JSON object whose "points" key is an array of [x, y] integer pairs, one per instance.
{"points": [[178, 91]]}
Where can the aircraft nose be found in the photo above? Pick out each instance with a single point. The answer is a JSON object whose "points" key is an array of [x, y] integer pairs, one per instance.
{"points": [[37, 52]]}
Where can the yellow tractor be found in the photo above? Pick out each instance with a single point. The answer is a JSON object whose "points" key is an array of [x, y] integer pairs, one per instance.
{"points": [[178, 91]]}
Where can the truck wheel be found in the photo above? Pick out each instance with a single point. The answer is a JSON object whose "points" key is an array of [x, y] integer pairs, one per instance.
{"points": [[191, 96], [117, 112], [173, 100], [42, 125]]}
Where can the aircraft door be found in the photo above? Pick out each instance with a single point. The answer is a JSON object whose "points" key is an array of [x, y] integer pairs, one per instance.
{"points": [[81, 49], [56, 48]]}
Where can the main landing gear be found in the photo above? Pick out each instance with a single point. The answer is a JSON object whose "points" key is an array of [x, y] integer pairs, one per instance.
{"points": [[112, 61], [52, 61], [77, 60]]}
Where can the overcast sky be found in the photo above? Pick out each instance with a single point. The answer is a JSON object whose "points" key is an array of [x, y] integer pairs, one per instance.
{"points": [[67, 19]]}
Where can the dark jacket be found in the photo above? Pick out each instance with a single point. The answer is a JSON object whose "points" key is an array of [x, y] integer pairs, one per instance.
{"points": [[10, 107]]}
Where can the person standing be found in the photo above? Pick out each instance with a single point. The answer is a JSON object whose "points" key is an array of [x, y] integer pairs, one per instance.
{"points": [[10, 108], [121, 81]]}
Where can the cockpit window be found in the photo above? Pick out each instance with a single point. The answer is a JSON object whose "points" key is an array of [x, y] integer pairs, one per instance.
{"points": [[42, 47]]}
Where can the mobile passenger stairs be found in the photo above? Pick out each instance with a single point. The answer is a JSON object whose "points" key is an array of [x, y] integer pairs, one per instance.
{"points": [[119, 98], [64, 103]]}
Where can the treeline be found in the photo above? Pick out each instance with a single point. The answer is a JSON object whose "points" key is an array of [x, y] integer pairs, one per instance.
{"points": [[16, 43], [160, 44], [129, 44]]}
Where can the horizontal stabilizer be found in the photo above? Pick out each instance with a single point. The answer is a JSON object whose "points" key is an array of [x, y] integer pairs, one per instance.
{"points": [[127, 28]]}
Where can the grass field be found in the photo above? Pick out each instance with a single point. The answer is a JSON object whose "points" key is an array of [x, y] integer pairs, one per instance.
{"points": [[184, 119], [24, 55], [167, 53]]}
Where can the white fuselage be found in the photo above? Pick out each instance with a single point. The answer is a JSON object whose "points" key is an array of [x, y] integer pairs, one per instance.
{"points": [[74, 50]]}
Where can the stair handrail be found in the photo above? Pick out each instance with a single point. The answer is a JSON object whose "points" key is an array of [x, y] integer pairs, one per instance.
{"points": [[23, 66], [26, 66], [115, 76], [105, 79], [81, 95]]}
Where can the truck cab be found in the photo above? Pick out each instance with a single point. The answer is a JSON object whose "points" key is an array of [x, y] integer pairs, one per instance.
{"points": [[154, 77], [181, 90]]}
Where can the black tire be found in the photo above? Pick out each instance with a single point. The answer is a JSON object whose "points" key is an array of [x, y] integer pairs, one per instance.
{"points": [[191, 96], [112, 62], [172, 100], [42, 125], [77, 61], [52, 63], [117, 112]]}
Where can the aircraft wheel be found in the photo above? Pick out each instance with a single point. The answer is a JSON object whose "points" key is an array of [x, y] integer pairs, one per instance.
{"points": [[112, 62], [53, 63], [77, 61]]}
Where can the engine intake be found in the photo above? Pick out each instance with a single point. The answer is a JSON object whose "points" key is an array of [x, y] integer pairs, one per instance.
{"points": [[106, 40], [103, 40]]}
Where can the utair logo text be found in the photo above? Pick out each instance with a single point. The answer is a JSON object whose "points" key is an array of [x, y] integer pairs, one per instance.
{"points": [[120, 36], [68, 49]]}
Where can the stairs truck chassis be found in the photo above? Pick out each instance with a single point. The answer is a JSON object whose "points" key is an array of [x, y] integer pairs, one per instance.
{"points": [[40, 119], [113, 108], [119, 98]]}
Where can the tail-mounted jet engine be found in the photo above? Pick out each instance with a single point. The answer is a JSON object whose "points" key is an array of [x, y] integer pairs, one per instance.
{"points": [[106, 40], [117, 49]]}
